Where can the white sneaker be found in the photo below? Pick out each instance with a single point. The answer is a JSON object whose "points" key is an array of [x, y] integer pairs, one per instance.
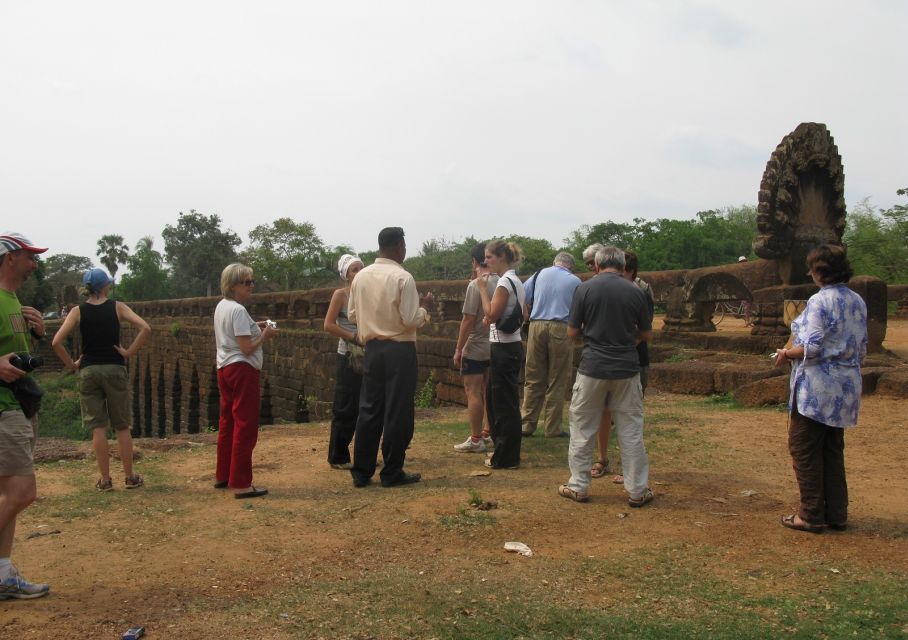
{"points": [[488, 442], [469, 446]]}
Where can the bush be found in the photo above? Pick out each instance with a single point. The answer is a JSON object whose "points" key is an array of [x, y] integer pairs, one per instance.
{"points": [[60, 415]]}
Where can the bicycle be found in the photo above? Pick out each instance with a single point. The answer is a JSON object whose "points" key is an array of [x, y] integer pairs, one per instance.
{"points": [[736, 308]]}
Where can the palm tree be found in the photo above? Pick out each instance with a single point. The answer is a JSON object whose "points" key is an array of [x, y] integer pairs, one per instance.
{"points": [[112, 251]]}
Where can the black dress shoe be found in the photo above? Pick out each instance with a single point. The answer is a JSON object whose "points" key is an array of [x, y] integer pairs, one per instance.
{"points": [[404, 478], [220, 485], [359, 483]]}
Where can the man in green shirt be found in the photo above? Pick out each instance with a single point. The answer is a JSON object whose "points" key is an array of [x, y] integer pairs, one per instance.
{"points": [[18, 489]]}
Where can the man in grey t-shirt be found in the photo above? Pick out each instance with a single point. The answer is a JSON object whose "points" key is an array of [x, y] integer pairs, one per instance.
{"points": [[612, 316]]}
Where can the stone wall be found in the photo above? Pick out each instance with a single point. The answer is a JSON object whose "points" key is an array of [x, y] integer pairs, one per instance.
{"points": [[174, 382]]}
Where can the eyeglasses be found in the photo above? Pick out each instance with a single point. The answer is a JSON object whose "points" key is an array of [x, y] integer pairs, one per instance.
{"points": [[248, 283], [28, 255]]}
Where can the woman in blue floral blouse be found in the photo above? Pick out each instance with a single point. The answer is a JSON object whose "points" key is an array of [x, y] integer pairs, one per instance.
{"points": [[828, 346]]}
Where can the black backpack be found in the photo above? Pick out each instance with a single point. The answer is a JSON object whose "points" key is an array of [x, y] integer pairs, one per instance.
{"points": [[515, 319]]}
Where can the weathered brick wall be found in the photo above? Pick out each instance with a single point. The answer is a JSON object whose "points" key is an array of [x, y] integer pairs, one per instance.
{"points": [[174, 381]]}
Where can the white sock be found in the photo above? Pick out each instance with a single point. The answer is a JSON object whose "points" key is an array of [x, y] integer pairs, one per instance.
{"points": [[6, 568]]}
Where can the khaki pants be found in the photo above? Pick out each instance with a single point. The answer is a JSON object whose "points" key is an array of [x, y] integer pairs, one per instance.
{"points": [[550, 360], [624, 398]]}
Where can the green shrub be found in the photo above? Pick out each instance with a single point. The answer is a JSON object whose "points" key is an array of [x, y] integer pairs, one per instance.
{"points": [[60, 416], [425, 399]]}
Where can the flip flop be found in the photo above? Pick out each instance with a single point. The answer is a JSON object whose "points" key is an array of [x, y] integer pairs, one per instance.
{"points": [[618, 479], [252, 493], [789, 523]]}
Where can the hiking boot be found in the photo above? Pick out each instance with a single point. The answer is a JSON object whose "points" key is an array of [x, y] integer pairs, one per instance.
{"points": [[134, 482], [104, 485], [15, 586], [470, 446]]}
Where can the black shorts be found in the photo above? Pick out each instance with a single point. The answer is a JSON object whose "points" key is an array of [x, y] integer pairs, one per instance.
{"points": [[470, 367]]}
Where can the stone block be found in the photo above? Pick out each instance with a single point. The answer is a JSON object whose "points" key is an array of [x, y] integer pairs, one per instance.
{"points": [[767, 391], [729, 377], [893, 383], [683, 377]]}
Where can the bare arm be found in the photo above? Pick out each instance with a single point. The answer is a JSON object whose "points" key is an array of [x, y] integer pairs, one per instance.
{"points": [[334, 308], [125, 314], [466, 327], [72, 319], [574, 332], [249, 345]]}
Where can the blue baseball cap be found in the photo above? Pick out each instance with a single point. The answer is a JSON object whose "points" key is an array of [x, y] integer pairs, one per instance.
{"points": [[96, 278]]}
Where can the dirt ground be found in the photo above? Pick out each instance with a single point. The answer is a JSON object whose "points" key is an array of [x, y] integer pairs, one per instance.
{"points": [[188, 561]]}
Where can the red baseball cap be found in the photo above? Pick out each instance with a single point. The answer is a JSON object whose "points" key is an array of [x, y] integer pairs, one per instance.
{"points": [[12, 241]]}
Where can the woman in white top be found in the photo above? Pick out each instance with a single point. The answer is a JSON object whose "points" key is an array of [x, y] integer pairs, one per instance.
{"points": [[239, 341], [347, 381], [504, 315]]}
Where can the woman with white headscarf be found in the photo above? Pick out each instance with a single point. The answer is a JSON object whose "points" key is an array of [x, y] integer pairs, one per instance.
{"points": [[349, 377]]}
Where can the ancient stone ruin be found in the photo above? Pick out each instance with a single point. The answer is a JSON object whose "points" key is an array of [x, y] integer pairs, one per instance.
{"points": [[801, 205]]}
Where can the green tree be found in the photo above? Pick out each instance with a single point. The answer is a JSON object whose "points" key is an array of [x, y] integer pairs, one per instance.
{"points": [[712, 238], [62, 271], [442, 259], [288, 254], [147, 278], [537, 253], [112, 251], [878, 241], [197, 250]]}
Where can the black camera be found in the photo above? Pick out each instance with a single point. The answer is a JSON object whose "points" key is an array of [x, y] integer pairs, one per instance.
{"points": [[26, 361]]}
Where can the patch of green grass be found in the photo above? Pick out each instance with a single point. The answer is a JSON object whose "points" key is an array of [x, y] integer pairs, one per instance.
{"points": [[676, 592], [467, 518], [677, 357]]}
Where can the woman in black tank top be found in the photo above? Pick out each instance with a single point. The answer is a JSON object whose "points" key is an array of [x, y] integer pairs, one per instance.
{"points": [[103, 384]]}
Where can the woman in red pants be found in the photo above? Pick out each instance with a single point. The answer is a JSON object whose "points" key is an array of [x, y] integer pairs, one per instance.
{"points": [[239, 342]]}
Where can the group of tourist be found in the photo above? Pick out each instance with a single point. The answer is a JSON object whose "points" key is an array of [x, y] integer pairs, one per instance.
{"points": [[375, 316]]}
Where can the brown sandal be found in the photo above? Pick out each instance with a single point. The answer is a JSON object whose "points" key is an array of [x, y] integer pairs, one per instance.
{"points": [[790, 523], [600, 468], [566, 492]]}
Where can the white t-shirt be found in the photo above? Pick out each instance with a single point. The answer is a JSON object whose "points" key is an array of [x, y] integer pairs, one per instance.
{"points": [[520, 298], [231, 320]]}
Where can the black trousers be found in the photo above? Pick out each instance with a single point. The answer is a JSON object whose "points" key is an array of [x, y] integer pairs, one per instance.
{"points": [[818, 457], [503, 404], [386, 410], [345, 410]]}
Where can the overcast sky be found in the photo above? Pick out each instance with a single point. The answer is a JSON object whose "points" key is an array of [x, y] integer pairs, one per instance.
{"points": [[447, 118]]}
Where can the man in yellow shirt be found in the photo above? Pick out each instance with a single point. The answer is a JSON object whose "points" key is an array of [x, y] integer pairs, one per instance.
{"points": [[387, 310]]}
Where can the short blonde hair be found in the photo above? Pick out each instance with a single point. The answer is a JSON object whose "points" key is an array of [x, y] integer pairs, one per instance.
{"points": [[232, 275]]}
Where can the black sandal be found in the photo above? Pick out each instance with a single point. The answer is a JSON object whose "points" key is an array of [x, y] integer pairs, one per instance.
{"points": [[252, 493]]}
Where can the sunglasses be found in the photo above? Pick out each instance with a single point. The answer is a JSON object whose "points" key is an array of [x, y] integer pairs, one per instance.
{"points": [[248, 283]]}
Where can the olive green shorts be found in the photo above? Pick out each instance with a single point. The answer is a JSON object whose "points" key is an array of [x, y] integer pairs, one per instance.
{"points": [[17, 443], [105, 396]]}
